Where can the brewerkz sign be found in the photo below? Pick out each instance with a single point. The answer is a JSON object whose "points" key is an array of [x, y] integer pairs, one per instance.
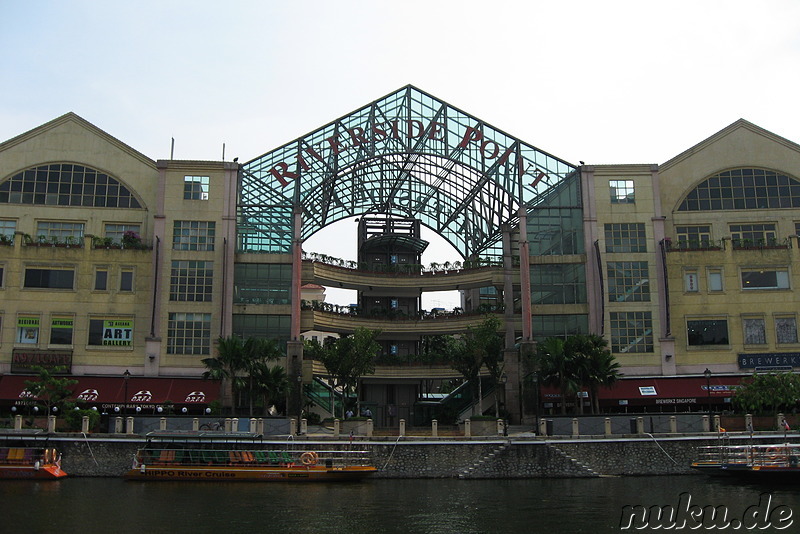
{"points": [[24, 360], [769, 360]]}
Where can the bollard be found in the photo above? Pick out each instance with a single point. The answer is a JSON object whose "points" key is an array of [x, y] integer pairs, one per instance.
{"points": [[575, 427], [779, 421], [129, 425], [235, 424], [118, 425], [706, 424], [17, 422], [253, 424], [85, 424], [51, 423], [499, 427], [717, 425], [402, 428], [228, 424], [369, 428], [304, 426], [607, 426], [260, 426], [640, 425], [162, 423], [292, 426], [195, 424], [435, 428], [336, 428], [542, 427], [673, 424], [467, 428], [748, 422]]}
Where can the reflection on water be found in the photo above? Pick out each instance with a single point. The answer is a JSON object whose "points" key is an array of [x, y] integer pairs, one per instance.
{"points": [[100, 505]]}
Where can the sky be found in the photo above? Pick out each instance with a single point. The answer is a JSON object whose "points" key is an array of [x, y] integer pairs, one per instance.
{"points": [[599, 82]]}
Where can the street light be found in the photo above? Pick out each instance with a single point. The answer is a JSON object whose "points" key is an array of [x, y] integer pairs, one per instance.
{"points": [[126, 376], [707, 374]]}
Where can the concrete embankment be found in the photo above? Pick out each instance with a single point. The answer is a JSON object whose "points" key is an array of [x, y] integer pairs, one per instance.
{"points": [[503, 457]]}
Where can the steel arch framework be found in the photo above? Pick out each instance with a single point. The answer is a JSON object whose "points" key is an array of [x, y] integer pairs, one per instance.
{"points": [[408, 154]]}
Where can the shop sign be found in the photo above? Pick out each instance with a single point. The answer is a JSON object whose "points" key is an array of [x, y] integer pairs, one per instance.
{"points": [[23, 360], [769, 360], [118, 332]]}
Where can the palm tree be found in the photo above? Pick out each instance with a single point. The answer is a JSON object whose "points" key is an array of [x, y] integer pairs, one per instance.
{"points": [[603, 369], [257, 353], [227, 366], [556, 369], [271, 383]]}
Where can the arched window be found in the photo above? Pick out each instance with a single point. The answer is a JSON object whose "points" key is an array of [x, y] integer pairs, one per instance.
{"points": [[66, 184], [744, 189]]}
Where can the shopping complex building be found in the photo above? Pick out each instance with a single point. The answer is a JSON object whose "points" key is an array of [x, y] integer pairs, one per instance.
{"points": [[126, 270]]}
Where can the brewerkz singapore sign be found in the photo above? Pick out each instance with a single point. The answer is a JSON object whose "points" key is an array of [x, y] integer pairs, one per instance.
{"points": [[769, 360], [24, 360]]}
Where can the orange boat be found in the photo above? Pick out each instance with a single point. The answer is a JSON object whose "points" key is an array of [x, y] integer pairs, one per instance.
{"points": [[41, 463], [234, 458]]}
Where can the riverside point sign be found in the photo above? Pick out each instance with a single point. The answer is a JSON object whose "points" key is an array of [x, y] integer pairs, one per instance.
{"points": [[398, 129]]}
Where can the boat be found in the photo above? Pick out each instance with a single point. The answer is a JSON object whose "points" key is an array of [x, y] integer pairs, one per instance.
{"points": [[756, 461], [28, 456], [235, 457]]}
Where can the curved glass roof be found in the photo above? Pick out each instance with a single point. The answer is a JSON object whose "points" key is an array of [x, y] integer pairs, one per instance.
{"points": [[66, 184], [743, 189], [406, 154]]}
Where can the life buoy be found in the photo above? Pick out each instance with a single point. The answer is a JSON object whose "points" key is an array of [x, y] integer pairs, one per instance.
{"points": [[48, 456], [774, 454], [309, 458]]}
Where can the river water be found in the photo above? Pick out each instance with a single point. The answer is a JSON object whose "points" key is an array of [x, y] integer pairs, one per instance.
{"points": [[108, 505]]}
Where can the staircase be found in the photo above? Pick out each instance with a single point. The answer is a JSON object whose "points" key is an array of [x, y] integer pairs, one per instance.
{"points": [[580, 467], [474, 470]]}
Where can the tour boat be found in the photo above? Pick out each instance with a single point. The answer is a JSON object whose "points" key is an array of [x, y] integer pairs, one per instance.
{"points": [[772, 461], [24, 460], [236, 457]]}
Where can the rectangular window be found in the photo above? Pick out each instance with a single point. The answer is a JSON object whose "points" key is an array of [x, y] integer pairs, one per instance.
{"points": [[195, 187], [558, 283], [714, 279], [628, 281], [116, 231], [61, 330], [625, 237], [191, 281], [621, 191], [690, 284], [754, 331], [60, 231], [49, 278], [631, 332], [111, 332], [257, 283], [101, 280], [692, 237], [262, 326], [707, 332], [126, 280], [8, 228], [27, 330], [748, 235], [189, 333], [193, 235], [1, 275], [765, 279], [786, 329]]}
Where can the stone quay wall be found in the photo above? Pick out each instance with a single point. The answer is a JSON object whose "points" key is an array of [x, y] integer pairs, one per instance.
{"points": [[111, 455]]}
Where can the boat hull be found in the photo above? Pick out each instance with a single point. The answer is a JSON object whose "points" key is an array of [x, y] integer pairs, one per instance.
{"points": [[29, 472], [250, 474]]}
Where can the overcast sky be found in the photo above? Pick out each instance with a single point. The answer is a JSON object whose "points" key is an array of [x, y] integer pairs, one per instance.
{"points": [[601, 82]]}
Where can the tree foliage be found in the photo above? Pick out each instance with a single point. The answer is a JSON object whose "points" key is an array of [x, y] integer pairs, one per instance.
{"points": [[49, 389], [581, 361], [480, 345], [347, 359], [768, 394]]}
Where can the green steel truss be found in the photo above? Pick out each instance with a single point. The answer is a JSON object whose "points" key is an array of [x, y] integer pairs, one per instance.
{"points": [[407, 154]]}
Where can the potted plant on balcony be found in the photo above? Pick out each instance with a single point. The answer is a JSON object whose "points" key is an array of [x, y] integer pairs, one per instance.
{"points": [[131, 239]]}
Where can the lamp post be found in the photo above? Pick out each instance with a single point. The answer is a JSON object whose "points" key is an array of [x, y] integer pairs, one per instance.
{"points": [[707, 374], [126, 376], [299, 400]]}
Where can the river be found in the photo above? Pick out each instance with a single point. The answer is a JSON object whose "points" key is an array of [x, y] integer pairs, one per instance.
{"points": [[109, 505]]}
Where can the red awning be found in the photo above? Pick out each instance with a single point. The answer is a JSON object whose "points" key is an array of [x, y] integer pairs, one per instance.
{"points": [[115, 390]]}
